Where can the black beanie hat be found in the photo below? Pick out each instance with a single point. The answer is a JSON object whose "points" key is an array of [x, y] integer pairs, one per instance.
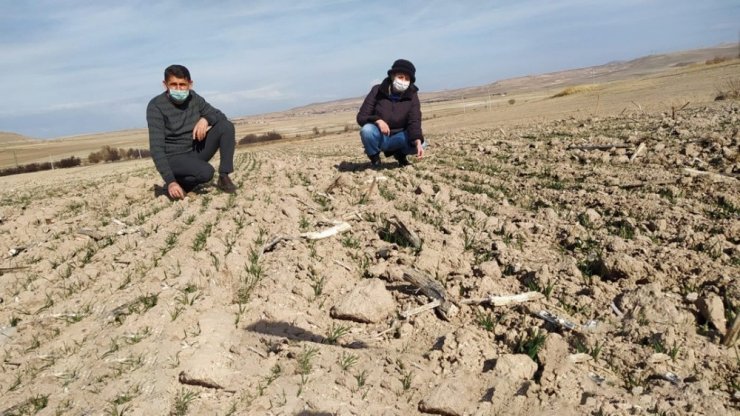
{"points": [[404, 66]]}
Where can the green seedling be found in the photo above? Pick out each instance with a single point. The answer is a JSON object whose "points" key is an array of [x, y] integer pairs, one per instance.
{"points": [[347, 361], [182, 402], [336, 332]]}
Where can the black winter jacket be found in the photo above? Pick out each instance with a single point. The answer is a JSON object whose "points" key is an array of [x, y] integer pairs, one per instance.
{"points": [[404, 114]]}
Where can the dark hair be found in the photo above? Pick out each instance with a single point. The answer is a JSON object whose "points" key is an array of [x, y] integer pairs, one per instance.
{"points": [[177, 71]]}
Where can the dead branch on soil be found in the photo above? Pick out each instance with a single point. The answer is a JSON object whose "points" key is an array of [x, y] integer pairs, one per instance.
{"points": [[673, 109], [505, 300], [421, 309], [339, 227], [16, 251], [184, 378], [715, 176], [4, 270], [598, 147], [91, 232], [349, 269], [275, 241], [639, 150], [406, 232], [556, 320], [433, 290], [369, 191], [732, 335], [376, 179], [334, 183], [641, 184]]}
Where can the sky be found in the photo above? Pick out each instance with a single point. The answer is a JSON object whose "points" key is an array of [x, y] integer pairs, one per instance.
{"points": [[71, 67]]}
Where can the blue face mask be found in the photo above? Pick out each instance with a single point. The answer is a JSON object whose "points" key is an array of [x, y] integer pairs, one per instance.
{"points": [[179, 96]]}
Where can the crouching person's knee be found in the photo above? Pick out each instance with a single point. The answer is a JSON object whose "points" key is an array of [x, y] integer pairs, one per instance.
{"points": [[205, 173], [369, 130]]}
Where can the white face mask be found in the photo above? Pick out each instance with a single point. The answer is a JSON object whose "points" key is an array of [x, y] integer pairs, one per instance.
{"points": [[400, 85]]}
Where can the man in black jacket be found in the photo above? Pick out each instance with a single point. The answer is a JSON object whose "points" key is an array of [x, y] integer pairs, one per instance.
{"points": [[184, 134], [390, 116]]}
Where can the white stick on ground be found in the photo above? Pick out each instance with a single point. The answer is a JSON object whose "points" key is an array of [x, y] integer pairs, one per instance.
{"points": [[506, 300], [376, 179], [318, 235], [423, 308], [639, 150], [349, 269], [714, 176], [732, 335]]}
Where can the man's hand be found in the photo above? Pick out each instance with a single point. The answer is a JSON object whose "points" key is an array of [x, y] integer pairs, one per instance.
{"points": [[419, 149], [201, 127], [383, 126], [175, 191]]}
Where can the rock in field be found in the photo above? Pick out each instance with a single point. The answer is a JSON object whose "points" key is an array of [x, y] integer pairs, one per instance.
{"points": [[369, 302], [455, 396]]}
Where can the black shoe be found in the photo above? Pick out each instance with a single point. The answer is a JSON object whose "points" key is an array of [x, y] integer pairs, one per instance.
{"points": [[401, 158], [375, 160], [225, 185]]}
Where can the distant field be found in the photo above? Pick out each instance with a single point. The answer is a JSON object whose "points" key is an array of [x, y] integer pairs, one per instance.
{"points": [[648, 82]]}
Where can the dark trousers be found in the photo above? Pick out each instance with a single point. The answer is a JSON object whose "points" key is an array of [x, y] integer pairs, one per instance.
{"points": [[192, 169]]}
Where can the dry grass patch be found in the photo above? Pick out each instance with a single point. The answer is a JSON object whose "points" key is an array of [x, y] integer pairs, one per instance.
{"points": [[577, 89], [730, 90]]}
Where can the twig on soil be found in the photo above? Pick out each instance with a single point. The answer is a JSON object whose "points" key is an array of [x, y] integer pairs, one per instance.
{"points": [[434, 290], [258, 352], [369, 191], [310, 208], [715, 176], [90, 232], [406, 233], [275, 241], [349, 269], [16, 251], [639, 150], [119, 222], [429, 306], [732, 335], [394, 325], [505, 300], [556, 320], [598, 147], [641, 184], [334, 183], [376, 179], [352, 215], [580, 358], [4, 270], [673, 109], [318, 235], [184, 378], [616, 310], [325, 195], [131, 230]]}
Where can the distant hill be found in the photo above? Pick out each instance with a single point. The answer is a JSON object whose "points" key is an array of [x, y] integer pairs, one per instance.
{"points": [[611, 71], [13, 138]]}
